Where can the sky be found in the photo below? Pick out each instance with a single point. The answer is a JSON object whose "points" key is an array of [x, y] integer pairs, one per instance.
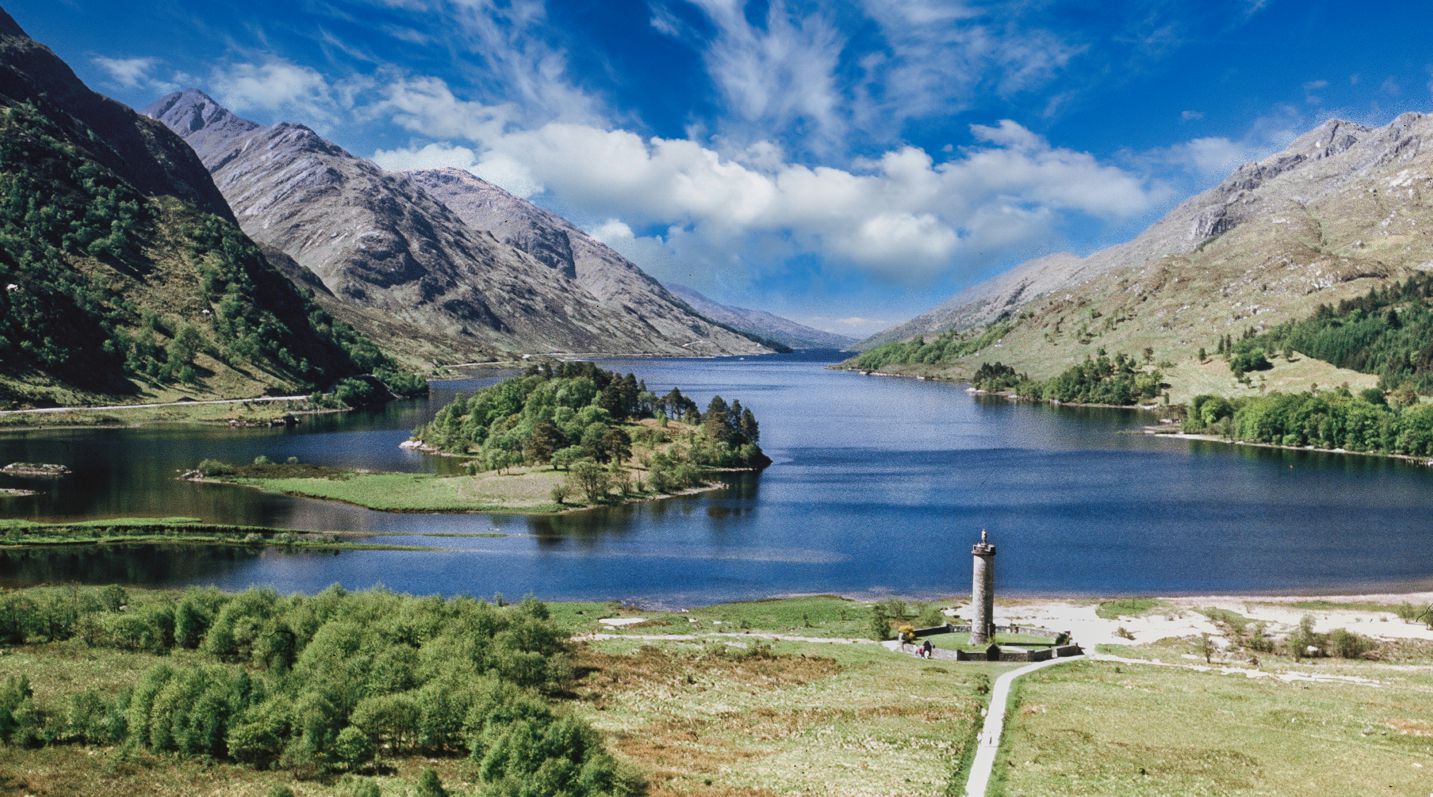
{"points": [[845, 164]]}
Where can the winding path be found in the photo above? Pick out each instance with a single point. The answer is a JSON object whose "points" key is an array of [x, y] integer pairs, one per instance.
{"points": [[989, 743]]}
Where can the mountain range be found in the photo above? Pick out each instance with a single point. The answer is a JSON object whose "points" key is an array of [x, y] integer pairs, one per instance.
{"points": [[1344, 208], [442, 252]]}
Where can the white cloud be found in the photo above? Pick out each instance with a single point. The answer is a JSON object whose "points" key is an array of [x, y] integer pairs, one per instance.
{"points": [[273, 86], [129, 73], [139, 73], [902, 215], [1190, 116], [1208, 159], [779, 75]]}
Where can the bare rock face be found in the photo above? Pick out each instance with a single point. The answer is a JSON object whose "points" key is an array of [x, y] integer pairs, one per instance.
{"points": [[383, 243], [615, 282]]}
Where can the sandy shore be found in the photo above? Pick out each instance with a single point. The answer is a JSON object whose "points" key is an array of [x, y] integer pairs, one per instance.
{"points": [[1180, 617]]}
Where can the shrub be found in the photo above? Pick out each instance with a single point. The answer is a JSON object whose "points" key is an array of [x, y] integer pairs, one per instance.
{"points": [[1348, 645]]}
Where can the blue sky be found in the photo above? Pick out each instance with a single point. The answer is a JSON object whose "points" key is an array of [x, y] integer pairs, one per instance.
{"points": [[845, 164]]}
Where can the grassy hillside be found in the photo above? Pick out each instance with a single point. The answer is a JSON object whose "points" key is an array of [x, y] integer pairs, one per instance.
{"points": [[1343, 211], [110, 293]]}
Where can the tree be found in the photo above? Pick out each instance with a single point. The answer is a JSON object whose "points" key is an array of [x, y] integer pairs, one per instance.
{"points": [[429, 785], [1206, 648], [591, 479], [544, 441], [616, 445]]}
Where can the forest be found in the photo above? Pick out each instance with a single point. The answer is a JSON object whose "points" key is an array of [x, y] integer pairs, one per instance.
{"points": [[1388, 332], [317, 686], [86, 301], [1366, 421], [578, 417]]}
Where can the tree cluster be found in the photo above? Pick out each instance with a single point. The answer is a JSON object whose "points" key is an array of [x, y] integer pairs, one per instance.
{"points": [[332, 682], [1102, 379], [580, 418], [1384, 332], [1326, 419]]}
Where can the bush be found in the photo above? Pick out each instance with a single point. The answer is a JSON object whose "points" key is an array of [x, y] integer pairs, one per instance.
{"points": [[1349, 645]]}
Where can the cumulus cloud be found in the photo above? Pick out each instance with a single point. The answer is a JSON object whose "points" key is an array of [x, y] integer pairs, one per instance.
{"points": [[901, 215], [274, 86]]}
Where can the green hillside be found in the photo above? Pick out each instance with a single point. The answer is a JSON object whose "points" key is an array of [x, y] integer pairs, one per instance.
{"points": [[122, 273]]}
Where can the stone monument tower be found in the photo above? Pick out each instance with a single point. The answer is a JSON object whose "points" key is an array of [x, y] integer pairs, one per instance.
{"points": [[982, 592]]}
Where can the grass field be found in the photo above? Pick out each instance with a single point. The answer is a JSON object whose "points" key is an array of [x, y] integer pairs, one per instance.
{"points": [[805, 615], [1130, 607], [791, 718], [1118, 729]]}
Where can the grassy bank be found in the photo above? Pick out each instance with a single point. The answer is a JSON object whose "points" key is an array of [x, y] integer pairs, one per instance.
{"points": [[190, 531], [247, 413], [518, 490]]}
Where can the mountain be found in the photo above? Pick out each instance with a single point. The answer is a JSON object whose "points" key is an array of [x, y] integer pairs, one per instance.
{"points": [[616, 282], [1343, 209], [767, 326], [383, 244], [123, 271]]}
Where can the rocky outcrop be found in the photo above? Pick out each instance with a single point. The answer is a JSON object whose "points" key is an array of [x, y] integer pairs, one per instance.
{"points": [[382, 243]]}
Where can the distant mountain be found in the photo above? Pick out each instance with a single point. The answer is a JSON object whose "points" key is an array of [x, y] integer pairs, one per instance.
{"points": [[1343, 209], [122, 271], [385, 245], [762, 324]]}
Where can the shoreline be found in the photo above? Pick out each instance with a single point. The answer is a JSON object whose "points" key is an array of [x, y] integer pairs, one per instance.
{"points": [[1005, 394], [1154, 431]]}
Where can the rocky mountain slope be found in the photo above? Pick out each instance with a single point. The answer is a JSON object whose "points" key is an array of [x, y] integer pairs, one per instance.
{"points": [[616, 282], [1342, 209], [767, 326], [123, 271], [386, 245], [1183, 230]]}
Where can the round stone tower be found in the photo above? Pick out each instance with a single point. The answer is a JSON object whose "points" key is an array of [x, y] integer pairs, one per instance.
{"points": [[982, 592]]}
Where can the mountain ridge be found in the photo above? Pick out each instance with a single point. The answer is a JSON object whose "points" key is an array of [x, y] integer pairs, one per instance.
{"points": [[1343, 209], [381, 241]]}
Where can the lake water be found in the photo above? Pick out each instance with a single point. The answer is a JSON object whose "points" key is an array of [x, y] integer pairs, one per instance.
{"points": [[879, 485]]}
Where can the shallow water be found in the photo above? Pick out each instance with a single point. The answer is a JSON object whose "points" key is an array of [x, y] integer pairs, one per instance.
{"points": [[878, 485]]}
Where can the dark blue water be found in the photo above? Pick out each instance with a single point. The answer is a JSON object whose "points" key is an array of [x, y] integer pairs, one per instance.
{"points": [[879, 485]]}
